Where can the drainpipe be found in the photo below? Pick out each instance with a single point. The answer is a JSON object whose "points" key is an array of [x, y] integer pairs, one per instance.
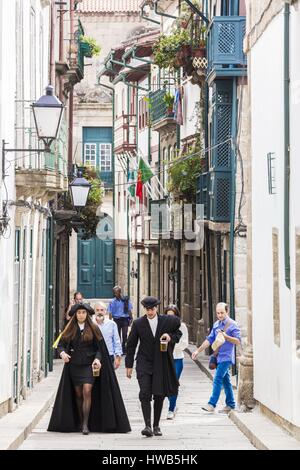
{"points": [[232, 198], [128, 218], [146, 17], [286, 52], [71, 94], [52, 52]]}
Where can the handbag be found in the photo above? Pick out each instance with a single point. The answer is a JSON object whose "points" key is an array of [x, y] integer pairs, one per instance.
{"points": [[212, 365]]}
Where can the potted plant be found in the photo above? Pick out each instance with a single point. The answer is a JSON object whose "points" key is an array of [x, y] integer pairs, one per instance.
{"points": [[199, 43], [169, 102], [89, 46], [168, 51]]}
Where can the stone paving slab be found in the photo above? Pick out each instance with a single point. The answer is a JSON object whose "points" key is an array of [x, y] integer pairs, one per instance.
{"points": [[16, 426], [191, 429]]}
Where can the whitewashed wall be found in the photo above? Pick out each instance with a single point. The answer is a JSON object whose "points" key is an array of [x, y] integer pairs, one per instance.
{"points": [[7, 96], [273, 370], [295, 197]]}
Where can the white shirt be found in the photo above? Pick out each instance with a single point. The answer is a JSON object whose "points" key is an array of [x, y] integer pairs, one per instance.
{"points": [[153, 324], [183, 342]]}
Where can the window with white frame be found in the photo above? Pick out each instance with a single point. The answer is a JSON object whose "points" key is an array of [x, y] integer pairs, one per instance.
{"points": [[105, 157], [90, 153]]}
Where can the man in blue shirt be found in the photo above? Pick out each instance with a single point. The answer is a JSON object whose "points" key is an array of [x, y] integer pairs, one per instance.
{"points": [[225, 358], [110, 334], [121, 310]]}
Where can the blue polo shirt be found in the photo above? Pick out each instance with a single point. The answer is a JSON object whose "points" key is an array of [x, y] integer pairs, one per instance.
{"points": [[226, 351], [116, 308]]}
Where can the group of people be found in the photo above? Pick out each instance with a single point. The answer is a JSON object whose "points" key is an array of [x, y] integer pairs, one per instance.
{"points": [[89, 397]]}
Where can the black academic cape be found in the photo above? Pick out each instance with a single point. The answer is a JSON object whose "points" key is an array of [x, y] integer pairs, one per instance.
{"points": [[149, 359], [108, 413]]}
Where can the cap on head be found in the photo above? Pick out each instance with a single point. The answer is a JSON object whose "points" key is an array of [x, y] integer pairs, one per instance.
{"points": [[150, 302]]}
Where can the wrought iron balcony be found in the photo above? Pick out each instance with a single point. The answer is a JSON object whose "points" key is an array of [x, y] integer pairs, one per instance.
{"points": [[125, 133], [161, 117], [39, 173], [225, 47], [77, 52]]}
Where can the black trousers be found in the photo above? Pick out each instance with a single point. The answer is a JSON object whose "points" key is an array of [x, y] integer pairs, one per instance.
{"points": [[145, 396], [122, 324]]}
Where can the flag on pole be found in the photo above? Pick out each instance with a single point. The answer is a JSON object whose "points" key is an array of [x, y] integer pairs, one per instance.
{"points": [[144, 175], [131, 182]]}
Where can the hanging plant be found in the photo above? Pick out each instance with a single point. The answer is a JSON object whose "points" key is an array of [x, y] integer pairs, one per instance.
{"points": [[183, 172], [89, 46], [166, 48]]}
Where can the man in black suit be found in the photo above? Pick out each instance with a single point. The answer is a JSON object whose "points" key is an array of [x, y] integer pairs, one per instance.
{"points": [[155, 369]]}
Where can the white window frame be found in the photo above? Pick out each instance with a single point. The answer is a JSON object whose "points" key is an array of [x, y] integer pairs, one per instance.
{"points": [[90, 149], [105, 157]]}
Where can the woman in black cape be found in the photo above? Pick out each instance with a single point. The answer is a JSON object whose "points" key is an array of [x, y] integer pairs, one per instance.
{"points": [[84, 402]]}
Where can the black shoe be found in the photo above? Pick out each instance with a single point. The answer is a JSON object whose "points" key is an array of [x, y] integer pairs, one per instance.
{"points": [[147, 432], [85, 430], [157, 431]]}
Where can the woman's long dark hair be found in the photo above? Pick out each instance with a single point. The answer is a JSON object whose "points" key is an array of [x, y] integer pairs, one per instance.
{"points": [[90, 330], [174, 309]]}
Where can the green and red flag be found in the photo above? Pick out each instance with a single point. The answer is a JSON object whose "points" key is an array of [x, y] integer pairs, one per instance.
{"points": [[144, 175], [131, 182]]}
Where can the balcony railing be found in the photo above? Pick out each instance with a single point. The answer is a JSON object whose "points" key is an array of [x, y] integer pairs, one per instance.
{"points": [[225, 47], [160, 116], [44, 171], [125, 133]]}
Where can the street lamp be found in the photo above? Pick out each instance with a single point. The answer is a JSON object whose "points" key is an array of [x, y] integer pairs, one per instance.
{"points": [[133, 273], [48, 112], [79, 188]]}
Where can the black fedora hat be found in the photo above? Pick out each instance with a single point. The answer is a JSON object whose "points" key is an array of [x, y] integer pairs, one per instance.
{"points": [[150, 302], [77, 307]]}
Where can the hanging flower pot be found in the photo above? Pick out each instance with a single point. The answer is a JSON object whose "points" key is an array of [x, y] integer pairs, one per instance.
{"points": [[199, 52], [170, 112]]}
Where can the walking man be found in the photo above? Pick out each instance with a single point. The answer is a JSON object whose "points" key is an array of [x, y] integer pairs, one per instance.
{"points": [[230, 330], [155, 368], [121, 310], [110, 334]]}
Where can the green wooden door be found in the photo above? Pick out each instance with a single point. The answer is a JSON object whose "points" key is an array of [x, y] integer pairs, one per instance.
{"points": [[96, 263]]}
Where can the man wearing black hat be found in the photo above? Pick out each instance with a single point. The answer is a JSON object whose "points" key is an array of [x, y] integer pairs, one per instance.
{"points": [[155, 369]]}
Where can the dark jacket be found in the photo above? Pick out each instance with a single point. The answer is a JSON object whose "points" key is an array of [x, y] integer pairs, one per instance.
{"points": [[81, 352], [150, 359]]}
